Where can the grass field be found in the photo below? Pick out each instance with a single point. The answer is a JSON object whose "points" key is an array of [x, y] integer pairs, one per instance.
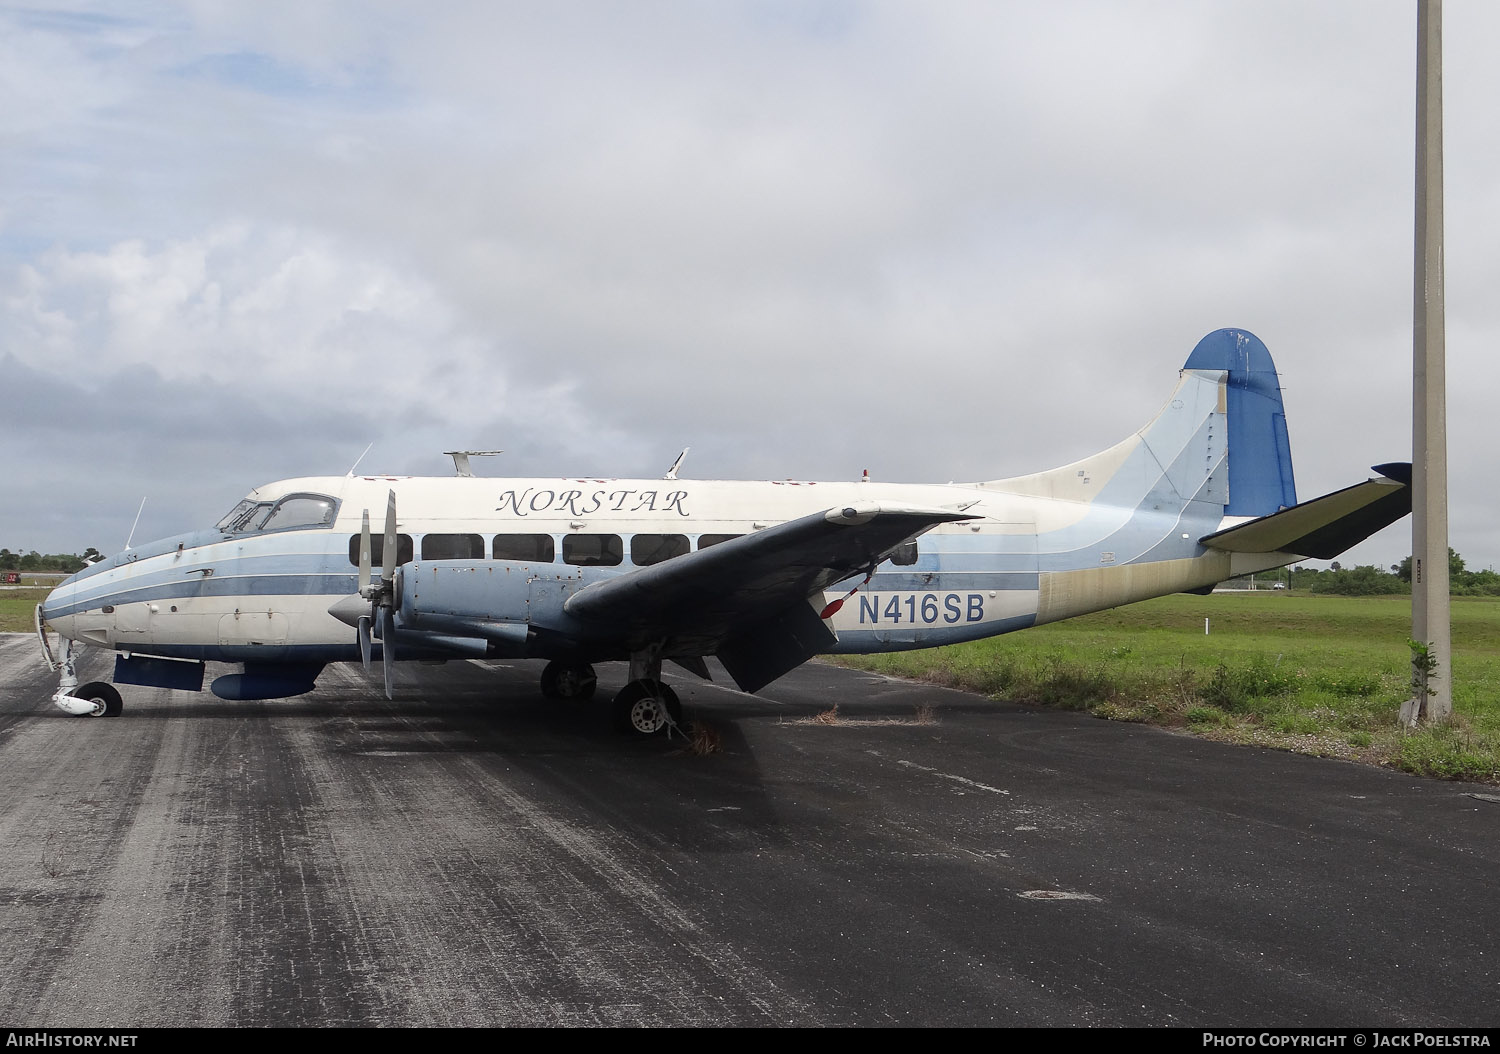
{"points": [[17, 606], [1317, 674]]}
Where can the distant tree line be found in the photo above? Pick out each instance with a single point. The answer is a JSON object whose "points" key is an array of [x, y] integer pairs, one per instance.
{"points": [[1367, 580], [35, 561]]}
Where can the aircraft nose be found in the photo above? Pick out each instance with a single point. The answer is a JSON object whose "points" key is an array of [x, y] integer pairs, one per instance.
{"points": [[54, 611], [47, 612], [49, 604]]}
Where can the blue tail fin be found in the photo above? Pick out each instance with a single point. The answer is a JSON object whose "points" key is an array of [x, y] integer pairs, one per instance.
{"points": [[1260, 453]]}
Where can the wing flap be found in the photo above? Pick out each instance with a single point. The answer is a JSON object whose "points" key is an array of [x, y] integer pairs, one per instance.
{"points": [[1324, 527], [760, 654]]}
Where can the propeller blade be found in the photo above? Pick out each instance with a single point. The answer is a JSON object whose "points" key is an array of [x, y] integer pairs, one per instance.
{"points": [[388, 551], [388, 649], [364, 555], [363, 629]]}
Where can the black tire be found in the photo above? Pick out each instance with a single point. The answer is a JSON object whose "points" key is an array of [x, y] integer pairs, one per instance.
{"points": [[564, 680], [645, 708], [104, 696]]}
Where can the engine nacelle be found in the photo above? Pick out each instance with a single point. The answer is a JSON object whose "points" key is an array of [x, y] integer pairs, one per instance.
{"points": [[495, 600]]}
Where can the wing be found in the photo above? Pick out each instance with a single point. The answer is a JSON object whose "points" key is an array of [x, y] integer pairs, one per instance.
{"points": [[747, 599], [1325, 527]]}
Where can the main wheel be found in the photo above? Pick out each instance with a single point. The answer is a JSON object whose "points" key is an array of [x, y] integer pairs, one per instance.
{"points": [[647, 707], [562, 680], [104, 696]]}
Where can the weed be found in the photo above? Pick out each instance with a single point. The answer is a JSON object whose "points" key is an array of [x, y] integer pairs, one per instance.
{"points": [[1351, 684], [1294, 723], [1073, 687], [703, 740]]}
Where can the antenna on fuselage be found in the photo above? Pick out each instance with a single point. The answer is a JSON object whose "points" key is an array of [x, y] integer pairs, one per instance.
{"points": [[358, 460], [461, 459], [672, 472], [131, 537]]}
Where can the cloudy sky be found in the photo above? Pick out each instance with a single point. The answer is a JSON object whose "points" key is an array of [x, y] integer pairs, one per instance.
{"points": [[941, 241]]}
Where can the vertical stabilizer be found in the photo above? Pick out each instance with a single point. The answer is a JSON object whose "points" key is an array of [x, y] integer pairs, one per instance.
{"points": [[1260, 453]]}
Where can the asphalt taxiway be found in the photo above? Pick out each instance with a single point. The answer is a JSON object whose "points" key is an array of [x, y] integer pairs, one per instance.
{"points": [[471, 854]]}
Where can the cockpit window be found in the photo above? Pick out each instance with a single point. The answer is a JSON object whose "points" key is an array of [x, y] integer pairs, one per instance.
{"points": [[243, 516], [294, 510], [301, 510]]}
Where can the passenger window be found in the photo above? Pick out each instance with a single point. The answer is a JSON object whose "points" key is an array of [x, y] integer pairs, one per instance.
{"points": [[592, 550], [646, 549], [706, 540], [301, 510], [404, 549], [527, 548], [452, 547], [905, 555]]}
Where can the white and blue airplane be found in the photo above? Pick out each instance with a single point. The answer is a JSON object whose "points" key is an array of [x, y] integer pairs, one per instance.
{"points": [[761, 575]]}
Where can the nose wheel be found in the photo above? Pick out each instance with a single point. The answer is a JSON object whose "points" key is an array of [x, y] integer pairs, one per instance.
{"points": [[647, 707], [103, 698]]}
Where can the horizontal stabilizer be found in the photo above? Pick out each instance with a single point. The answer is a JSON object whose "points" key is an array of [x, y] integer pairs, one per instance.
{"points": [[1324, 527]]}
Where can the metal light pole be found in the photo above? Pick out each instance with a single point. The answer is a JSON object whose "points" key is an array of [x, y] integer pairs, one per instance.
{"points": [[1431, 671]]}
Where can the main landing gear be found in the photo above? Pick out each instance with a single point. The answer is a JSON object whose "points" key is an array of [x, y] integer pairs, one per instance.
{"points": [[643, 707], [568, 680], [647, 707]]}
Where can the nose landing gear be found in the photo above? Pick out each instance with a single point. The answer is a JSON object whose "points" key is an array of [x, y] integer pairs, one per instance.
{"points": [[95, 699], [103, 699]]}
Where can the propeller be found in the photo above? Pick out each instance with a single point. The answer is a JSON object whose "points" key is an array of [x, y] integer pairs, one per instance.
{"points": [[381, 594], [362, 627]]}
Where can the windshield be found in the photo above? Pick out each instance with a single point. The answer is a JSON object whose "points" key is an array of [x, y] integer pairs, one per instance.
{"points": [[294, 510], [241, 515], [301, 510]]}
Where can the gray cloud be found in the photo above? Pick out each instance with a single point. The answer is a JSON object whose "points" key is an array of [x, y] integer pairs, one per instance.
{"points": [[936, 241]]}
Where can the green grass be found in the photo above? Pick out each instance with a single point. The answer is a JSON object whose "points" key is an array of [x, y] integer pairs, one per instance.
{"points": [[1318, 674], [17, 607]]}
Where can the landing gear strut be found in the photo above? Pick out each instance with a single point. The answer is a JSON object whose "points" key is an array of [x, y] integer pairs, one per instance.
{"points": [[95, 699], [646, 706]]}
